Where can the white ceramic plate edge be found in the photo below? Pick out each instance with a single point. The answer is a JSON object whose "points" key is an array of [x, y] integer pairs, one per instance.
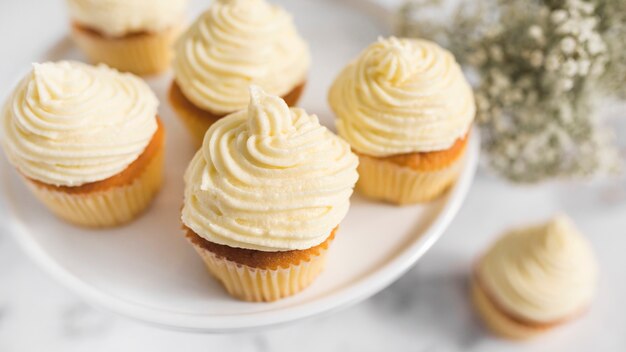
{"points": [[350, 295]]}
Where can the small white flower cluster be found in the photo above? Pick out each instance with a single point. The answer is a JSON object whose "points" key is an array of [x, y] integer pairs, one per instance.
{"points": [[612, 14], [527, 102], [579, 49], [538, 63]]}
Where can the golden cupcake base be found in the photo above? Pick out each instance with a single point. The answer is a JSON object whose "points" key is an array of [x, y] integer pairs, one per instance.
{"points": [[386, 181], [195, 119], [113, 201], [141, 54], [257, 276], [411, 178], [107, 208], [499, 322]]}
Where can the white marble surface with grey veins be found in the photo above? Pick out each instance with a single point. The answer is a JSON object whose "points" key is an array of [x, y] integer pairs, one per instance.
{"points": [[426, 310]]}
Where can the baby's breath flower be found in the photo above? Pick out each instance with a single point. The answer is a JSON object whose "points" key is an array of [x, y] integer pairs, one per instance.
{"points": [[566, 84], [568, 45], [552, 62], [589, 24], [583, 67], [595, 45], [535, 32], [567, 27], [570, 68], [558, 16], [587, 8]]}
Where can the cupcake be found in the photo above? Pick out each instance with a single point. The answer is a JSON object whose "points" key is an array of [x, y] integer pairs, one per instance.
{"points": [[534, 278], [86, 140], [233, 44], [264, 196], [406, 109], [130, 35]]}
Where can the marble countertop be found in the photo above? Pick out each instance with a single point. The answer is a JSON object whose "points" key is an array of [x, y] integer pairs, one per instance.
{"points": [[426, 310]]}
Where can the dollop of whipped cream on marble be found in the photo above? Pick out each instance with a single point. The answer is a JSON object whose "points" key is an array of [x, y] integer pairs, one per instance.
{"points": [[68, 123], [543, 273], [402, 96], [236, 43], [268, 178], [117, 18]]}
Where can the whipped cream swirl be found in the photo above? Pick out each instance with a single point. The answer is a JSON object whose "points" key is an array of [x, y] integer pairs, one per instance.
{"points": [[541, 274], [68, 123], [268, 178], [402, 96], [236, 43], [116, 18]]}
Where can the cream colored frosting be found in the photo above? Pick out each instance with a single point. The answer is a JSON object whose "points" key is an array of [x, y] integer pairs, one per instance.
{"points": [[68, 123], [542, 273], [120, 17], [236, 43], [268, 178], [402, 96]]}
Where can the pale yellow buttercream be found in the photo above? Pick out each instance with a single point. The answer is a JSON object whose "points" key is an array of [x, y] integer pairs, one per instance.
{"points": [[236, 43], [542, 274], [68, 123], [268, 178], [402, 96], [117, 18]]}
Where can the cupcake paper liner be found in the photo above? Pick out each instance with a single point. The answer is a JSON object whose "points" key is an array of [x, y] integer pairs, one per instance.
{"points": [[141, 54], [497, 321], [109, 207], [380, 179], [262, 285]]}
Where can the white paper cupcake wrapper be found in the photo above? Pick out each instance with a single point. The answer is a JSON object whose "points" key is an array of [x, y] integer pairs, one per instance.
{"points": [[140, 54], [387, 181], [262, 285]]}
